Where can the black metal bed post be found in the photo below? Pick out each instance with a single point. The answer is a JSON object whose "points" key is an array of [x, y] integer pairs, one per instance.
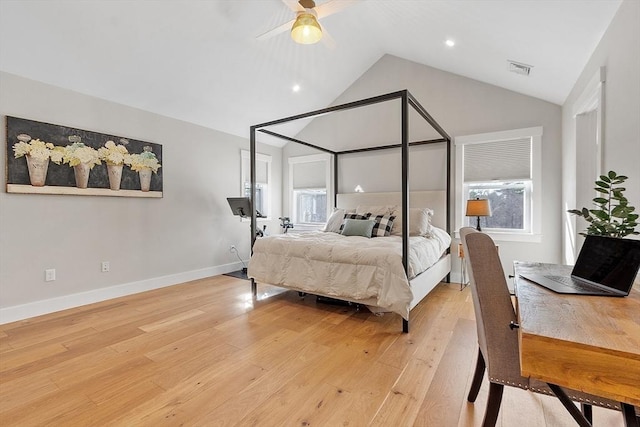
{"points": [[448, 185], [405, 191], [252, 166], [446, 138], [448, 278], [335, 180]]}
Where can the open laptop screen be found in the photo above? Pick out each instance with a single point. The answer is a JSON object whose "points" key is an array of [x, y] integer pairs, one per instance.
{"points": [[609, 261]]}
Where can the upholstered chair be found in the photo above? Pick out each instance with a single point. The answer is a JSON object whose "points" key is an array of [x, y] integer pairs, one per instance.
{"points": [[498, 342]]}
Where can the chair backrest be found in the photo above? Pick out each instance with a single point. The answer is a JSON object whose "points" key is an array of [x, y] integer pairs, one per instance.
{"points": [[493, 307]]}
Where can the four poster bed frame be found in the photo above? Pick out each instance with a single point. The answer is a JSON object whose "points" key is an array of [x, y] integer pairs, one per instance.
{"points": [[407, 100]]}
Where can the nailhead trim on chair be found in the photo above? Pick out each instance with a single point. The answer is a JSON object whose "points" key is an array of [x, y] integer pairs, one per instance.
{"points": [[509, 383], [549, 393], [580, 399]]}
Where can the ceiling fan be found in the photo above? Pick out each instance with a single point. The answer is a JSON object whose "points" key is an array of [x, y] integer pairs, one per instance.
{"points": [[305, 28]]}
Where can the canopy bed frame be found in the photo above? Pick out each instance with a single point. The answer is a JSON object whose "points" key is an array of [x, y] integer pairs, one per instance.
{"points": [[406, 100]]}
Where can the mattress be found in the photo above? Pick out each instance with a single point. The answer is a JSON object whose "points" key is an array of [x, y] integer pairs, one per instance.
{"points": [[349, 267]]}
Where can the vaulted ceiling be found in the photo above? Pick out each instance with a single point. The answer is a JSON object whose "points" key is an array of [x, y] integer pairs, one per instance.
{"points": [[199, 60]]}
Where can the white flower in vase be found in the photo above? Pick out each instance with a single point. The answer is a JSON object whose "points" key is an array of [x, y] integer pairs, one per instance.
{"points": [[82, 158], [115, 156], [145, 163], [37, 153]]}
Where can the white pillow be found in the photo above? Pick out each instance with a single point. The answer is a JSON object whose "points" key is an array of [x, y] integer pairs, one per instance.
{"points": [[335, 221], [419, 222], [376, 210]]}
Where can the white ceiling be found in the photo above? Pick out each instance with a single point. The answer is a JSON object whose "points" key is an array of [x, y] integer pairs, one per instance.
{"points": [[199, 60]]}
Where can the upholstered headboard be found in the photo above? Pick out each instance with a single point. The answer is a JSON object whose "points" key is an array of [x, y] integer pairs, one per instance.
{"points": [[435, 200]]}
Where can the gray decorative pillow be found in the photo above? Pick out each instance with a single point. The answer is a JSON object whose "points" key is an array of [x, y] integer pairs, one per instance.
{"points": [[358, 227], [383, 225], [353, 216]]}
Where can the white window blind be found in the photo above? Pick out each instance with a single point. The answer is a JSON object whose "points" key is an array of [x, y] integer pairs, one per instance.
{"points": [[498, 160], [262, 170], [309, 175]]}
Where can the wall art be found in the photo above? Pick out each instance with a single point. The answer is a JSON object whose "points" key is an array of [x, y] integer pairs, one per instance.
{"points": [[44, 158]]}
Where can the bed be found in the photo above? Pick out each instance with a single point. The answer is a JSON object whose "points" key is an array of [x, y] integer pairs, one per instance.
{"points": [[313, 270], [362, 270]]}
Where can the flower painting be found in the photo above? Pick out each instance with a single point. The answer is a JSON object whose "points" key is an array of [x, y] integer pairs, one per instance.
{"points": [[44, 158]]}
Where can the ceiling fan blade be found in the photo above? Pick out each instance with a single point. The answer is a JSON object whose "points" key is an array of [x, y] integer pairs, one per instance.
{"points": [[333, 6], [277, 30], [293, 5], [326, 39]]}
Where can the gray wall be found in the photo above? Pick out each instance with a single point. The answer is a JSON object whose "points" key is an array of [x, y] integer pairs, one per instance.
{"points": [[462, 106], [148, 242], [619, 52]]}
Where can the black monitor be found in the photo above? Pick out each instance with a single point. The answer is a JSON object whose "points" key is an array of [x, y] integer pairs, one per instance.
{"points": [[240, 206]]}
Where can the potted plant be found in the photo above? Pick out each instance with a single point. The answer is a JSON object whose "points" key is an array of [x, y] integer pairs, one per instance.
{"points": [[37, 153], [145, 163], [613, 216], [82, 158], [115, 156]]}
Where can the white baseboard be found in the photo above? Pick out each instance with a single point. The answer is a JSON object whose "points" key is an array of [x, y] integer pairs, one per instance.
{"points": [[37, 308], [455, 277]]}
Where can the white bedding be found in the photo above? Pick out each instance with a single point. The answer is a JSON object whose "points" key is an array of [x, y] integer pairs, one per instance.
{"points": [[353, 268]]}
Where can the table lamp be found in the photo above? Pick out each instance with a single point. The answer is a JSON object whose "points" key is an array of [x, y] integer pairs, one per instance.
{"points": [[478, 208]]}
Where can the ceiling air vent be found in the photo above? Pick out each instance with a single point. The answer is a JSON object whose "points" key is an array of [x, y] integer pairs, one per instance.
{"points": [[519, 68]]}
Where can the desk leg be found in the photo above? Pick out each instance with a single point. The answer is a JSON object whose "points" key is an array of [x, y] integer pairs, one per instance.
{"points": [[629, 414], [568, 404]]}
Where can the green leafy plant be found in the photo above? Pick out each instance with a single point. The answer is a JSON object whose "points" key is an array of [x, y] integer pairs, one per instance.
{"points": [[614, 216]]}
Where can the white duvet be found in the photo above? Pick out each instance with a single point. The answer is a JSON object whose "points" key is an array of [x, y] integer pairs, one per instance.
{"points": [[352, 268]]}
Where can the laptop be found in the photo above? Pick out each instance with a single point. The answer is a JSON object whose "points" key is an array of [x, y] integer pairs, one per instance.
{"points": [[605, 266]]}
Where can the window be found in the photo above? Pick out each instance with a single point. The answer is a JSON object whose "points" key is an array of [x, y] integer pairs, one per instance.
{"points": [[309, 178], [310, 206], [508, 199], [503, 167], [263, 179]]}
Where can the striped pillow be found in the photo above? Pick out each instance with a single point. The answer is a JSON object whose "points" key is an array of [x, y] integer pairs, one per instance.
{"points": [[383, 225]]}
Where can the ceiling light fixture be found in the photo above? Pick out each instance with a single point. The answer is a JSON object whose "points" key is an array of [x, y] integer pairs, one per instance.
{"points": [[306, 29], [296, 88], [450, 43]]}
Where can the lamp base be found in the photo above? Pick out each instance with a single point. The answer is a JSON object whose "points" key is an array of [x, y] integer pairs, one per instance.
{"points": [[478, 224]]}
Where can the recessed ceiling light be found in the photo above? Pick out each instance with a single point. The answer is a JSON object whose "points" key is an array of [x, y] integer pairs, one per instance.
{"points": [[450, 43], [296, 88]]}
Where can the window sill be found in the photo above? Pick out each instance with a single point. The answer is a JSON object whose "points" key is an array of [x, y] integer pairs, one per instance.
{"points": [[511, 237], [259, 219]]}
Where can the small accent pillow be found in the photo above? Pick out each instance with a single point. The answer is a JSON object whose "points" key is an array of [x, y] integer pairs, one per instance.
{"points": [[353, 216], [358, 227], [383, 226], [335, 221], [419, 222]]}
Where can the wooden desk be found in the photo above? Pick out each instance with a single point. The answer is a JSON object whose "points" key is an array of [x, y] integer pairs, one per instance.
{"points": [[586, 343]]}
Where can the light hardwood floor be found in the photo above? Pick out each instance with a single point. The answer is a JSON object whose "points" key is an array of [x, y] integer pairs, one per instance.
{"points": [[204, 353]]}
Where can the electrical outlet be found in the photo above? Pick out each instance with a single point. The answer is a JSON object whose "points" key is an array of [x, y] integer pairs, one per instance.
{"points": [[105, 266], [50, 275], [232, 248]]}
